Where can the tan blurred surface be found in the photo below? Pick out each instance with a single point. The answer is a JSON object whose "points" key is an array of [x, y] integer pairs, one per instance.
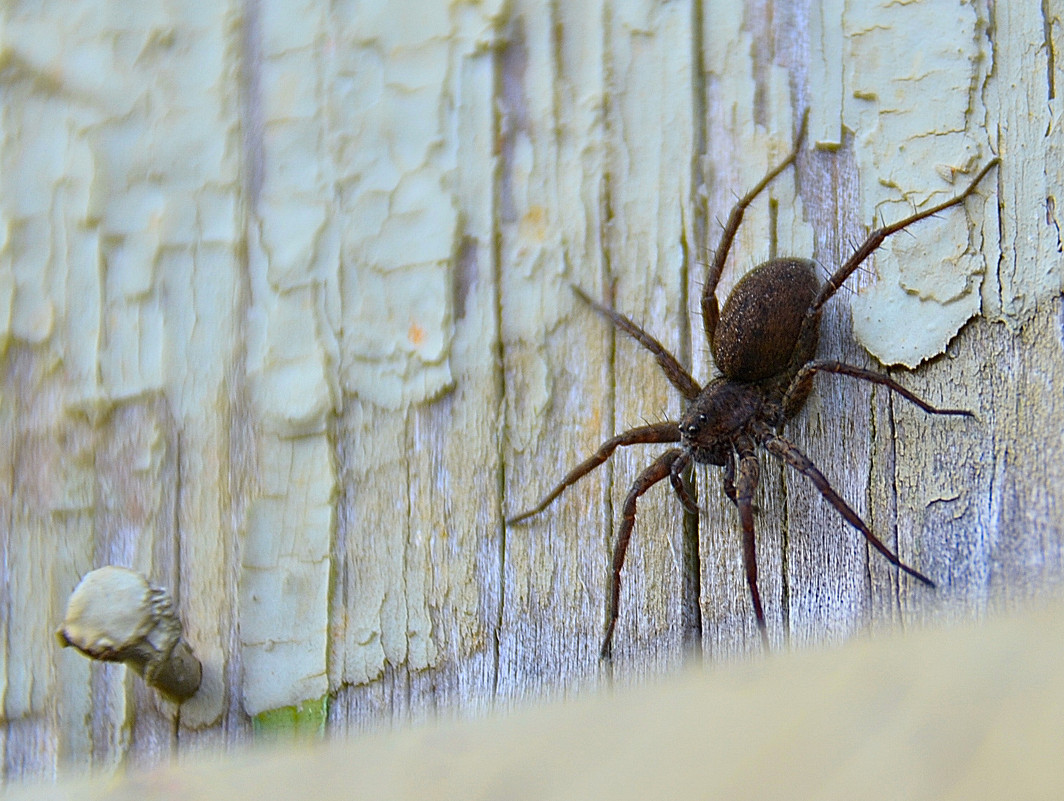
{"points": [[972, 712]]}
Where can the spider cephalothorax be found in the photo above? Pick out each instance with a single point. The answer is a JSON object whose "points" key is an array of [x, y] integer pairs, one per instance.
{"points": [[763, 343]]}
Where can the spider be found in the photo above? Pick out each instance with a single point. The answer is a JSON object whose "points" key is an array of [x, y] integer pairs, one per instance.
{"points": [[763, 342]]}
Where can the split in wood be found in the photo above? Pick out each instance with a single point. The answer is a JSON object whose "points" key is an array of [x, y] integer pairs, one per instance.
{"points": [[115, 615]]}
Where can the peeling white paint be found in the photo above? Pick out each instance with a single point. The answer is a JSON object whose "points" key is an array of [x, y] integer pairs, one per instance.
{"points": [[293, 259], [733, 111], [117, 202], [390, 136], [1027, 93], [397, 115], [920, 134]]}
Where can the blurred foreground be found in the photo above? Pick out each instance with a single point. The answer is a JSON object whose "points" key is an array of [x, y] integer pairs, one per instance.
{"points": [[972, 712]]}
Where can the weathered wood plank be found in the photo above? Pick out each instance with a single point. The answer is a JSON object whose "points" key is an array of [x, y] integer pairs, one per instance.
{"points": [[288, 326]]}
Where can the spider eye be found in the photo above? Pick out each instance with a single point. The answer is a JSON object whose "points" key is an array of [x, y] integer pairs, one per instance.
{"points": [[692, 429]]}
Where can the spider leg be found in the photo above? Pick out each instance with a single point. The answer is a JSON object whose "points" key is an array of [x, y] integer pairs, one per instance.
{"points": [[670, 365], [729, 478], [710, 309], [657, 432], [745, 484], [676, 479], [875, 239], [787, 452], [660, 469], [803, 381]]}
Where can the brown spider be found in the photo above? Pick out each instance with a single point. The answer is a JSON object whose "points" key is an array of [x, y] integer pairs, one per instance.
{"points": [[763, 342]]}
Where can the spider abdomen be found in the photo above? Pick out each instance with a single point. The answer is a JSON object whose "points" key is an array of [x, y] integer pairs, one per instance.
{"points": [[761, 323]]}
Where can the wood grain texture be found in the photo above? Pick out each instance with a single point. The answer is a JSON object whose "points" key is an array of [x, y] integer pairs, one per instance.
{"points": [[279, 348]]}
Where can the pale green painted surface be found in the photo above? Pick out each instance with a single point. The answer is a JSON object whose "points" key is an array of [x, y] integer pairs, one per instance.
{"points": [[305, 720]]}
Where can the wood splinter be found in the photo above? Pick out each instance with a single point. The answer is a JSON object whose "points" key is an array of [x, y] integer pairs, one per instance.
{"points": [[115, 615]]}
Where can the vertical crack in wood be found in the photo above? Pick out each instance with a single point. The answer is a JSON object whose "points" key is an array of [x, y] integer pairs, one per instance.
{"points": [[609, 287], [610, 423], [252, 125], [499, 361], [694, 231], [410, 439], [1047, 33], [874, 522], [892, 455], [175, 573]]}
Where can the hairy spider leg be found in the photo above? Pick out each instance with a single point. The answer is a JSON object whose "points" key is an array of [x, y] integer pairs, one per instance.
{"points": [[670, 365], [710, 309], [729, 478], [658, 470], [690, 389], [657, 432], [876, 238], [787, 452], [676, 479], [801, 384], [745, 484]]}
